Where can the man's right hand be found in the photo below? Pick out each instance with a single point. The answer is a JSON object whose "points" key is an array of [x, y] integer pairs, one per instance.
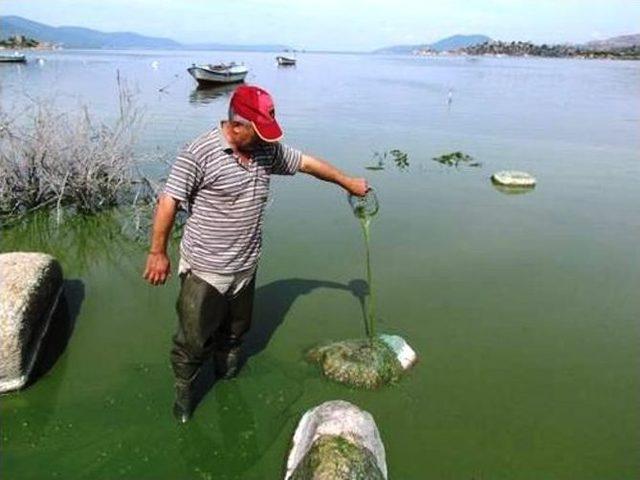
{"points": [[158, 268]]}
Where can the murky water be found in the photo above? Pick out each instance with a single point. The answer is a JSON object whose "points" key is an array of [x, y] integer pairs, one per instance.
{"points": [[524, 308]]}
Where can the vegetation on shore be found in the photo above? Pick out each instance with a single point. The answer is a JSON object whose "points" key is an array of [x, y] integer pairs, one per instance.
{"points": [[19, 41], [522, 49]]}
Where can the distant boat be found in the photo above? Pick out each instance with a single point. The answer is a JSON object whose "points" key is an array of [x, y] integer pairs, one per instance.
{"points": [[219, 74], [285, 61], [14, 58]]}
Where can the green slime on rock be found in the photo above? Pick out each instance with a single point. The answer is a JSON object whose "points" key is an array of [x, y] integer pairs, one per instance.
{"points": [[335, 457]]}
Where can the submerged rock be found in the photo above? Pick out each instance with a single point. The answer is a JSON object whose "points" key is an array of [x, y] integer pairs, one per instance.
{"points": [[30, 286], [364, 363], [336, 441], [512, 178]]}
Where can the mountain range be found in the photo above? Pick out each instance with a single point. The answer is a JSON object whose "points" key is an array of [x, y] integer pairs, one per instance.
{"points": [[79, 37], [450, 43], [623, 41], [465, 41]]}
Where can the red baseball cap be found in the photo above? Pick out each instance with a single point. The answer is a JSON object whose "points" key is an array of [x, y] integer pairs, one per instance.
{"points": [[256, 105]]}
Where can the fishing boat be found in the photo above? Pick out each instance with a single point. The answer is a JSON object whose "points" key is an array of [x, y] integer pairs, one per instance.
{"points": [[13, 58], [285, 61], [219, 74]]}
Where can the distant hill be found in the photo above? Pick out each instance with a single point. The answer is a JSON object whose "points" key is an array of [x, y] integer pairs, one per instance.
{"points": [[400, 49], [450, 43], [459, 41], [78, 37], [623, 41]]}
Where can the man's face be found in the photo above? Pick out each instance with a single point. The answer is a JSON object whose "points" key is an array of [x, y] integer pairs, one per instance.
{"points": [[244, 135]]}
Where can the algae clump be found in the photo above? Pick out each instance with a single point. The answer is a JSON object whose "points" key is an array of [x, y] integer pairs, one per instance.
{"points": [[332, 457], [363, 363]]}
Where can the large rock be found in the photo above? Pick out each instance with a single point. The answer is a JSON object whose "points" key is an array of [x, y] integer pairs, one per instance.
{"points": [[364, 363], [513, 178], [336, 441], [30, 286]]}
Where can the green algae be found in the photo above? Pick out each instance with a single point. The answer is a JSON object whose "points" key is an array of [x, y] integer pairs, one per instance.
{"points": [[455, 159], [332, 457], [364, 209], [366, 363]]}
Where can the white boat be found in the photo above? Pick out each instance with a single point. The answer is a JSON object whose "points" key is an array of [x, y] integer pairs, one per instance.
{"points": [[285, 61], [14, 58], [218, 74]]}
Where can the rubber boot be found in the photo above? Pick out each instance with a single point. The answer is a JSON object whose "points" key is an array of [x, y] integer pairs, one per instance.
{"points": [[184, 404], [227, 363]]}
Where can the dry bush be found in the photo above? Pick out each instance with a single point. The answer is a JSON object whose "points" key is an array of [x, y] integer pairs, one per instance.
{"points": [[51, 159]]}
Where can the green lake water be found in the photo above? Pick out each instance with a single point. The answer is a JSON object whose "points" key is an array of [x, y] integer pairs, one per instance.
{"points": [[524, 309]]}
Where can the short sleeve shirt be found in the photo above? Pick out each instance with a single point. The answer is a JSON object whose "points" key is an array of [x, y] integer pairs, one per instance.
{"points": [[226, 200]]}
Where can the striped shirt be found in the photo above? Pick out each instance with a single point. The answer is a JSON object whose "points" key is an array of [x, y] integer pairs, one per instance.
{"points": [[225, 200]]}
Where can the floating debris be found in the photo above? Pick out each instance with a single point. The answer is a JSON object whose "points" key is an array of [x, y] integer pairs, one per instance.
{"points": [[513, 178], [456, 159], [400, 158]]}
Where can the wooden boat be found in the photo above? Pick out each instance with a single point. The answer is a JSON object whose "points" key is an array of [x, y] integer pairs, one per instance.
{"points": [[14, 58], [285, 61], [219, 74]]}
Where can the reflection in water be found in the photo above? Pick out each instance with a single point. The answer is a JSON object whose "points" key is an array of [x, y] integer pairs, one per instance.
{"points": [[79, 241], [506, 190], [206, 95]]}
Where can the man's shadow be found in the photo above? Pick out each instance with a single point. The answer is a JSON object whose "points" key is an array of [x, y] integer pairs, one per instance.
{"points": [[60, 329], [271, 305], [273, 301]]}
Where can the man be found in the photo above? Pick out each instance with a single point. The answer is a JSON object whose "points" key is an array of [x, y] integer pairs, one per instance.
{"points": [[222, 178]]}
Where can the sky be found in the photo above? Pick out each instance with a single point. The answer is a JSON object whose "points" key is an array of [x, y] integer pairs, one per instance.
{"points": [[354, 25]]}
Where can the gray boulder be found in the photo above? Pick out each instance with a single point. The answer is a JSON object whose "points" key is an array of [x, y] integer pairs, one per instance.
{"points": [[336, 441], [30, 287]]}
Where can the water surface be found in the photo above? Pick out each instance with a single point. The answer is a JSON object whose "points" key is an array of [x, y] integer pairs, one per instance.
{"points": [[523, 308]]}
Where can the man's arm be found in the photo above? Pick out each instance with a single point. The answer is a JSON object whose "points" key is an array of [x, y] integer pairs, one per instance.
{"points": [[158, 265], [327, 172]]}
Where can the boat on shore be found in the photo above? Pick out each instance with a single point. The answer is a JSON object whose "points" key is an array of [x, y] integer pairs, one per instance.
{"points": [[219, 74], [285, 61], [16, 57]]}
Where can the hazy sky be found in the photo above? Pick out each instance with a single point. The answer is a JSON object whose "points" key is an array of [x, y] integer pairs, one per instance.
{"points": [[340, 24]]}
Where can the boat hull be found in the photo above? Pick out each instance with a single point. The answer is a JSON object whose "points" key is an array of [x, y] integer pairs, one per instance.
{"points": [[13, 59], [209, 77], [286, 62]]}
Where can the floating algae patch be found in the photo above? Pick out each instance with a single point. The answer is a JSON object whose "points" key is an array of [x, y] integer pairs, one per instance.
{"points": [[333, 457], [363, 363], [455, 159], [400, 158]]}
